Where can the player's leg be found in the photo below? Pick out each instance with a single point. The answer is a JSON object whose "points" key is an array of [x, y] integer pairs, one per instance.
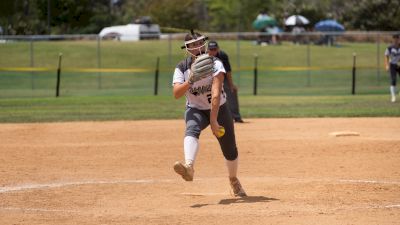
{"points": [[233, 103], [196, 120], [398, 72], [393, 81], [229, 149], [228, 141], [235, 107]]}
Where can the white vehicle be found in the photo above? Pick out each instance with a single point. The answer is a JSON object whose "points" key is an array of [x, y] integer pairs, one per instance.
{"points": [[131, 32]]}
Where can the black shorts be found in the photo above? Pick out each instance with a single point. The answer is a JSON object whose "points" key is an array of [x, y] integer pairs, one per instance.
{"points": [[394, 70], [197, 120]]}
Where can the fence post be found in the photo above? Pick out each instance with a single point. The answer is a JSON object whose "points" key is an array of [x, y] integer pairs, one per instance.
{"points": [[238, 58], [353, 83], [170, 64], [255, 74], [99, 62], [378, 61], [156, 76], [308, 63], [58, 75], [32, 64], [170, 50]]}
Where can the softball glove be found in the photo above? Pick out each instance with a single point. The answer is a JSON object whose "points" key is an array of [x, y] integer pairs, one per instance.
{"points": [[202, 67]]}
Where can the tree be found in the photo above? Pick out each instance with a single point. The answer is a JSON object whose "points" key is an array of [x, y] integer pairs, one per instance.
{"points": [[90, 16], [181, 14], [238, 15], [20, 17], [374, 15], [134, 9], [68, 16]]}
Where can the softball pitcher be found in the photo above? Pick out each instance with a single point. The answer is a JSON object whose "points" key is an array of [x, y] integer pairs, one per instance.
{"points": [[200, 78]]}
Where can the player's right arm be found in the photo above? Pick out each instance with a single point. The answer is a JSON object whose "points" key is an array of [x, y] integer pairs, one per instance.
{"points": [[386, 60], [387, 63], [180, 85], [180, 89]]}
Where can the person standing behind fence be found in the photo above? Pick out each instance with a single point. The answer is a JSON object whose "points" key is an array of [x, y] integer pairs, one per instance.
{"points": [[229, 87], [392, 60]]}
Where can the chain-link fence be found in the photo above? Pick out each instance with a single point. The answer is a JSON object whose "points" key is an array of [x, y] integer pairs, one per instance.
{"points": [[285, 64]]}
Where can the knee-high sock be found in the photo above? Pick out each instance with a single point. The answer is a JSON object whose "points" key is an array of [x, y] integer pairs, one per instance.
{"points": [[393, 90], [190, 147], [232, 167]]}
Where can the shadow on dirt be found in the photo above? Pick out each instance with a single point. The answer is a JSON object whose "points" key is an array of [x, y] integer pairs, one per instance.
{"points": [[248, 199]]}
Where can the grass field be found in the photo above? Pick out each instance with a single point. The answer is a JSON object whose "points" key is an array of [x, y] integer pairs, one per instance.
{"points": [[143, 54], [286, 86], [283, 69], [165, 107]]}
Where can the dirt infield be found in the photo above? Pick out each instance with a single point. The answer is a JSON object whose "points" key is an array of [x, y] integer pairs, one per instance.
{"points": [[121, 173]]}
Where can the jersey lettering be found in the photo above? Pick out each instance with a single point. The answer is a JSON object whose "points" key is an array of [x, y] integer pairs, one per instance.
{"points": [[200, 90]]}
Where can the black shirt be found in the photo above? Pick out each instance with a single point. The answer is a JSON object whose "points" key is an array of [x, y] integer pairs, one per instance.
{"points": [[225, 60]]}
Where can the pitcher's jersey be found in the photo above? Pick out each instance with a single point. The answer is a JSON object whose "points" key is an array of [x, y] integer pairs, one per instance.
{"points": [[394, 54], [199, 94]]}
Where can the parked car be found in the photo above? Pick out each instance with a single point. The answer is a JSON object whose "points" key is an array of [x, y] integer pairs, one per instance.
{"points": [[131, 32]]}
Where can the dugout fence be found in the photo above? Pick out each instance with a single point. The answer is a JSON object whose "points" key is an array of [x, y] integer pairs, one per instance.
{"points": [[287, 64]]}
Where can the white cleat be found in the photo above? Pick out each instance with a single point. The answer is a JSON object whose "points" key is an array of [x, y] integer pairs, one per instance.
{"points": [[237, 188], [186, 171], [393, 99]]}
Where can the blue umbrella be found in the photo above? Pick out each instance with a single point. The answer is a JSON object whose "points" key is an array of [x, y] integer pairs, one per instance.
{"points": [[328, 25]]}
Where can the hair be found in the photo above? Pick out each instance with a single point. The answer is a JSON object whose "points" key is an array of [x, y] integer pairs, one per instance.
{"points": [[192, 35]]}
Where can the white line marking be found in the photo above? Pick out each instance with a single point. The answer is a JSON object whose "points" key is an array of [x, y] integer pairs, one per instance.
{"points": [[41, 210], [77, 183], [363, 207], [204, 194], [370, 181], [393, 206], [27, 187], [38, 210], [305, 180]]}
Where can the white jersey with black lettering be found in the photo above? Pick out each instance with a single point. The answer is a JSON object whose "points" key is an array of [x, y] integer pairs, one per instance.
{"points": [[199, 94], [393, 52]]}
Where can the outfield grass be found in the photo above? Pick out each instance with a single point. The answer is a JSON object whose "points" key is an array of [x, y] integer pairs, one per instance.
{"points": [[330, 72], [143, 54], [166, 107], [323, 90]]}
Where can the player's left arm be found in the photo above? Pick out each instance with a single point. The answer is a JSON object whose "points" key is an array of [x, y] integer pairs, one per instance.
{"points": [[216, 89]]}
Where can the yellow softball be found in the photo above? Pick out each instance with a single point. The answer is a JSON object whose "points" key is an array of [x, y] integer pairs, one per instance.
{"points": [[221, 132]]}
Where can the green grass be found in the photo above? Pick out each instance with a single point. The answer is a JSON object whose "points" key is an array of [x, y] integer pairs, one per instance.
{"points": [[166, 107], [143, 54], [323, 92]]}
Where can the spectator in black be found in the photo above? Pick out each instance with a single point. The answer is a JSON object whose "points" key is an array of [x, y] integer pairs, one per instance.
{"points": [[229, 87]]}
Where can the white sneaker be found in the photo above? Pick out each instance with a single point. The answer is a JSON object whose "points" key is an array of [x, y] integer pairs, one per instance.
{"points": [[237, 188], [393, 99], [186, 171]]}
